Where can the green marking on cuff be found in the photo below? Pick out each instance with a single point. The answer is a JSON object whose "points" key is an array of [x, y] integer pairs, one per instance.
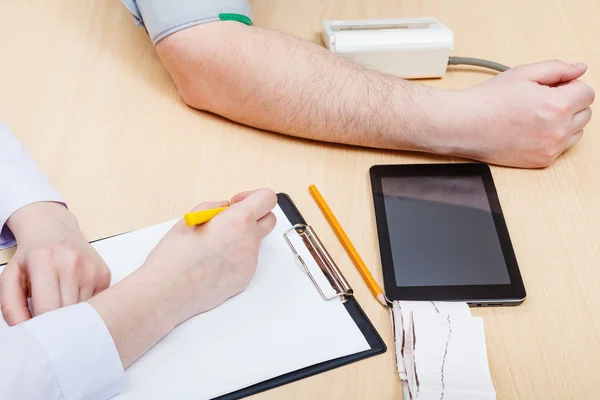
{"points": [[235, 17]]}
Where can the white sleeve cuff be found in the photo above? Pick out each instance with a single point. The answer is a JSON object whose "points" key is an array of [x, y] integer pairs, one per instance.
{"points": [[21, 183], [81, 350]]}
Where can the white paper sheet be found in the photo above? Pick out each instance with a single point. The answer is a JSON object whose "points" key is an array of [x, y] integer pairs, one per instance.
{"points": [[402, 311], [451, 358], [441, 351], [277, 325]]}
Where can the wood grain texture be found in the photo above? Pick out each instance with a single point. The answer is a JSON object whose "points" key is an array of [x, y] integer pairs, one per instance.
{"points": [[84, 91]]}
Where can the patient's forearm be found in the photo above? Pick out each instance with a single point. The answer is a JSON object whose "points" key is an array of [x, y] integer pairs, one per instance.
{"points": [[277, 82]]}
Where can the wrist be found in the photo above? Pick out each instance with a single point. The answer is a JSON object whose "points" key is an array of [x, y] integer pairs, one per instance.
{"points": [[452, 123], [138, 311], [425, 117], [29, 219], [168, 289]]}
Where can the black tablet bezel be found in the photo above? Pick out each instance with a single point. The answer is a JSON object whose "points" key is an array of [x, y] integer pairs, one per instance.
{"points": [[511, 294]]}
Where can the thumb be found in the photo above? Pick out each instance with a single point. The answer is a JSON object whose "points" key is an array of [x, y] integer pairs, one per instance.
{"points": [[551, 73], [13, 295], [192, 220]]}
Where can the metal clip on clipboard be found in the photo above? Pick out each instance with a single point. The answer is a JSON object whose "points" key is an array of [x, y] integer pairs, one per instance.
{"points": [[323, 260]]}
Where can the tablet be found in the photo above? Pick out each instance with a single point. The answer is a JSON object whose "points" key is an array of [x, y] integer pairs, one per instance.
{"points": [[442, 235]]}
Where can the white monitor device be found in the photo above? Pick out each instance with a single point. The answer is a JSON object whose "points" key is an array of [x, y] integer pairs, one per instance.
{"points": [[410, 48]]}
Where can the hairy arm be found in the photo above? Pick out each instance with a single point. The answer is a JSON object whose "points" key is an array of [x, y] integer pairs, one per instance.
{"points": [[525, 117], [280, 83]]}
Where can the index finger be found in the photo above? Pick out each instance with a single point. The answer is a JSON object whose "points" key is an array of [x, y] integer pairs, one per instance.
{"points": [[13, 295], [579, 94], [259, 202], [241, 196]]}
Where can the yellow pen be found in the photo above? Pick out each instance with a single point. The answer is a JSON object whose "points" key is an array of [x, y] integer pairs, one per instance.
{"points": [[202, 217]]}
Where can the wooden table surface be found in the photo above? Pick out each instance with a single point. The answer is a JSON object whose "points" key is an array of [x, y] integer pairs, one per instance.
{"points": [[83, 89]]}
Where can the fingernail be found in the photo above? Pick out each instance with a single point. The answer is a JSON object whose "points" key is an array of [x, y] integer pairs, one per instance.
{"points": [[579, 65]]}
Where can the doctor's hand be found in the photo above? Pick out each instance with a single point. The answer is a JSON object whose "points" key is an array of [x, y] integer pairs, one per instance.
{"points": [[54, 264], [210, 263], [190, 271], [524, 117]]}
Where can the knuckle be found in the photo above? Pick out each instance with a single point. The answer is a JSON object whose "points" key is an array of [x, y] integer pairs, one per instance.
{"points": [[67, 270], [243, 219], [74, 257], [73, 261], [11, 314], [11, 270], [548, 154], [557, 63], [584, 91], [7, 312], [267, 193], [592, 93], [584, 119], [577, 137], [559, 108], [541, 161], [43, 253], [104, 277], [270, 196], [556, 135]]}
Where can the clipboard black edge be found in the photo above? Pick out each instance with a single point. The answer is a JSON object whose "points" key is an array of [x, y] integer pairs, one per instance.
{"points": [[356, 312]]}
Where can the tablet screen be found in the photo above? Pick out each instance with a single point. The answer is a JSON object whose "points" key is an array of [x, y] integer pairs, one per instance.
{"points": [[442, 232]]}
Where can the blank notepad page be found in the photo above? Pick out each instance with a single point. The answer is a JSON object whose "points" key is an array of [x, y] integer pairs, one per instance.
{"points": [[279, 324]]}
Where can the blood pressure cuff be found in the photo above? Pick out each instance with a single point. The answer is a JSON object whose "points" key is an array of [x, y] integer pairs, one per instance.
{"points": [[162, 18]]}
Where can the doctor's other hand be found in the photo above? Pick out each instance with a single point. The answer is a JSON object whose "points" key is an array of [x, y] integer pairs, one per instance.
{"points": [[54, 264], [524, 117], [207, 264]]}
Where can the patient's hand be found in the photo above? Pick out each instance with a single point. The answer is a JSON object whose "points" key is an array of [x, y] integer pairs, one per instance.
{"points": [[207, 264], [54, 264], [525, 117]]}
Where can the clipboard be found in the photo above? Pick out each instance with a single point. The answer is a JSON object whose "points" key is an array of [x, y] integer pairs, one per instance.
{"points": [[343, 290]]}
